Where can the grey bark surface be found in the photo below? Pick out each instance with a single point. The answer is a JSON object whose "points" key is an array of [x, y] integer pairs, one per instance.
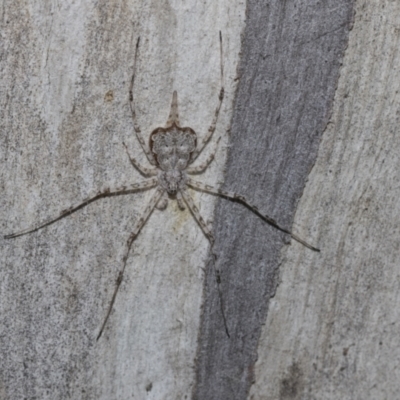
{"points": [[64, 113], [332, 330], [291, 57]]}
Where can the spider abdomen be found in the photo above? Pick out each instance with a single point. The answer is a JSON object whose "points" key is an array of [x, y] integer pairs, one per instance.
{"points": [[172, 147]]}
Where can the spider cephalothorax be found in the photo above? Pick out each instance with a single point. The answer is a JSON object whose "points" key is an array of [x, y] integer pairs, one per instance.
{"points": [[171, 152]]}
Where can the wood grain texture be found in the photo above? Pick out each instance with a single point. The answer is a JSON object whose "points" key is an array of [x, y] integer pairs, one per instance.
{"points": [[291, 57], [64, 113], [332, 330]]}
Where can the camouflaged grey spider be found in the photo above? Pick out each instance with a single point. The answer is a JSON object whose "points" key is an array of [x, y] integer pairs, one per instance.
{"points": [[171, 151]]}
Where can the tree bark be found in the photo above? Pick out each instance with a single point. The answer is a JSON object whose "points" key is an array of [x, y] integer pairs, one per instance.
{"points": [[332, 327], [312, 133], [292, 52], [66, 70]]}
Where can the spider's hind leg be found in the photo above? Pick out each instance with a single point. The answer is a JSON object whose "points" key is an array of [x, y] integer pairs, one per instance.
{"points": [[137, 165], [138, 132], [211, 129], [204, 165]]}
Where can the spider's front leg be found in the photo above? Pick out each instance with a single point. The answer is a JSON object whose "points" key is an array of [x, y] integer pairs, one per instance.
{"points": [[207, 232], [136, 229], [180, 201]]}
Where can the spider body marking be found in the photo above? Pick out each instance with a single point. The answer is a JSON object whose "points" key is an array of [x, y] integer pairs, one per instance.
{"points": [[172, 148], [171, 152]]}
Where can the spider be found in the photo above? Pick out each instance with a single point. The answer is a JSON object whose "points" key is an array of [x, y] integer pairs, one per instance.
{"points": [[171, 152]]}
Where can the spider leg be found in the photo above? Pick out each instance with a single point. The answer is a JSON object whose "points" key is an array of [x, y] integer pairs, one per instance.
{"points": [[211, 129], [179, 199], [136, 164], [195, 211], [204, 165], [144, 185], [241, 199], [138, 132], [163, 202], [138, 226]]}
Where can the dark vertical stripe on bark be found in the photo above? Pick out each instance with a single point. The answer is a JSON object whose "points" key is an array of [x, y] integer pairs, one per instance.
{"points": [[290, 64]]}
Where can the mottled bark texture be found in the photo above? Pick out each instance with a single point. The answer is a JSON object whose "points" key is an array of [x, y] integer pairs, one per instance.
{"points": [[65, 71], [332, 330], [290, 63]]}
